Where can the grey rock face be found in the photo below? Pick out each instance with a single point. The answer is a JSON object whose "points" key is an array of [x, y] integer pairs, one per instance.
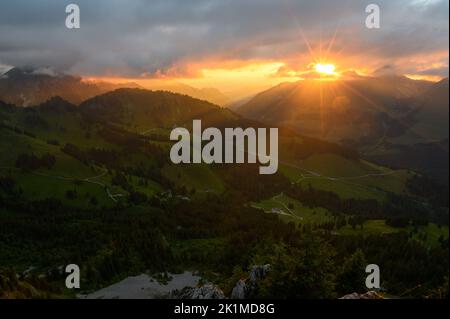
{"points": [[208, 291], [245, 288], [239, 291], [258, 272]]}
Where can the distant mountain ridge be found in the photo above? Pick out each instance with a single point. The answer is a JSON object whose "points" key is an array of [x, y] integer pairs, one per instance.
{"points": [[391, 119], [211, 95], [337, 110], [138, 109], [29, 87], [431, 112]]}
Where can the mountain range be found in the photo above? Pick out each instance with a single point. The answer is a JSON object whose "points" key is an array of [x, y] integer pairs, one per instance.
{"points": [[344, 110], [211, 95], [379, 116], [29, 87], [392, 120]]}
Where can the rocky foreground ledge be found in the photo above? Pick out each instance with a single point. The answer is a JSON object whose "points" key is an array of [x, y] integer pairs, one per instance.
{"points": [[245, 288], [367, 295], [185, 286]]}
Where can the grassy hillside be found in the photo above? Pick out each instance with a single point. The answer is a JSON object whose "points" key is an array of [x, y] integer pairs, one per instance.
{"points": [[101, 173], [141, 110], [149, 115]]}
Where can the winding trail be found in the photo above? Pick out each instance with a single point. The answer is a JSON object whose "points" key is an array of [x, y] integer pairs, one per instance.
{"points": [[291, 213], [89, 180], [348, 178]]}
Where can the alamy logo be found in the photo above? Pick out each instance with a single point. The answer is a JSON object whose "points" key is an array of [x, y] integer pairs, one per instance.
{"points": [[228, 150], [73, 279], [373, 18], [73, 17], [373, 279]]}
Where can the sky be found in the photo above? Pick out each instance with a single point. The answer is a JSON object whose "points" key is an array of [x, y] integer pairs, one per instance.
{"points": [[228, 44]]}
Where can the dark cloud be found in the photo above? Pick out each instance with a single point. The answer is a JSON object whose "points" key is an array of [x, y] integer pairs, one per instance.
{"points": [[441, 72], [134, 37], [386, 70]]}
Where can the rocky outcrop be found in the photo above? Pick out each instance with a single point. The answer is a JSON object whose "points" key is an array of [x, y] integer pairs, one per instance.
{"points": [[240, 290], [367, 295], [207, 291], [245, 288]]}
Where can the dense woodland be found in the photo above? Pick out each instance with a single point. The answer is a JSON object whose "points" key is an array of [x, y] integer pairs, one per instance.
{"points": [[110, 244]]}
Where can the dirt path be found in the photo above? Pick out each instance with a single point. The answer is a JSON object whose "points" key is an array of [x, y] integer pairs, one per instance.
{"points": [[291, 213], [89, 180], [349, 178]]}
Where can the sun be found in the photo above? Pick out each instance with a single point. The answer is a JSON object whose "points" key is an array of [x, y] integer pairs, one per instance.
{"points": [[327, 69]]}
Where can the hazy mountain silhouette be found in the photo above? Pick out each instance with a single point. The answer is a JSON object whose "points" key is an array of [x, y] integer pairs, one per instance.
{"points": [[212, 95], [424, 144], [140, 109], [28, 87], [337, 110], [431, 113], [391, 119]]}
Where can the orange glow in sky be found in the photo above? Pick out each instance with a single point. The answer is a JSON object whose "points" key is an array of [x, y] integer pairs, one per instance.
{"points": [[243, 78], [327, 69]]}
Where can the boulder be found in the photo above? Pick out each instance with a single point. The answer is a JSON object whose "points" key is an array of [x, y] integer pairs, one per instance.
{"points": [[245, 288], [207, 291], [239, 291]]}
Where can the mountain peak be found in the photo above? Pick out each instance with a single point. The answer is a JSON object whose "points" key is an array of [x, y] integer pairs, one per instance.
{"points": [[443, 83], [57, 104], [31, 86], [18, 73], [14, 73]]}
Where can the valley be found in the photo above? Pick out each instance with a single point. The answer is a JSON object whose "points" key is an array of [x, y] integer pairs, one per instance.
{"points": [[93, 184]]}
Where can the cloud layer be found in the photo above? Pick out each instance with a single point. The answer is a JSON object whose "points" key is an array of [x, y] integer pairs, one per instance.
{"points": [[132, 38]]}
